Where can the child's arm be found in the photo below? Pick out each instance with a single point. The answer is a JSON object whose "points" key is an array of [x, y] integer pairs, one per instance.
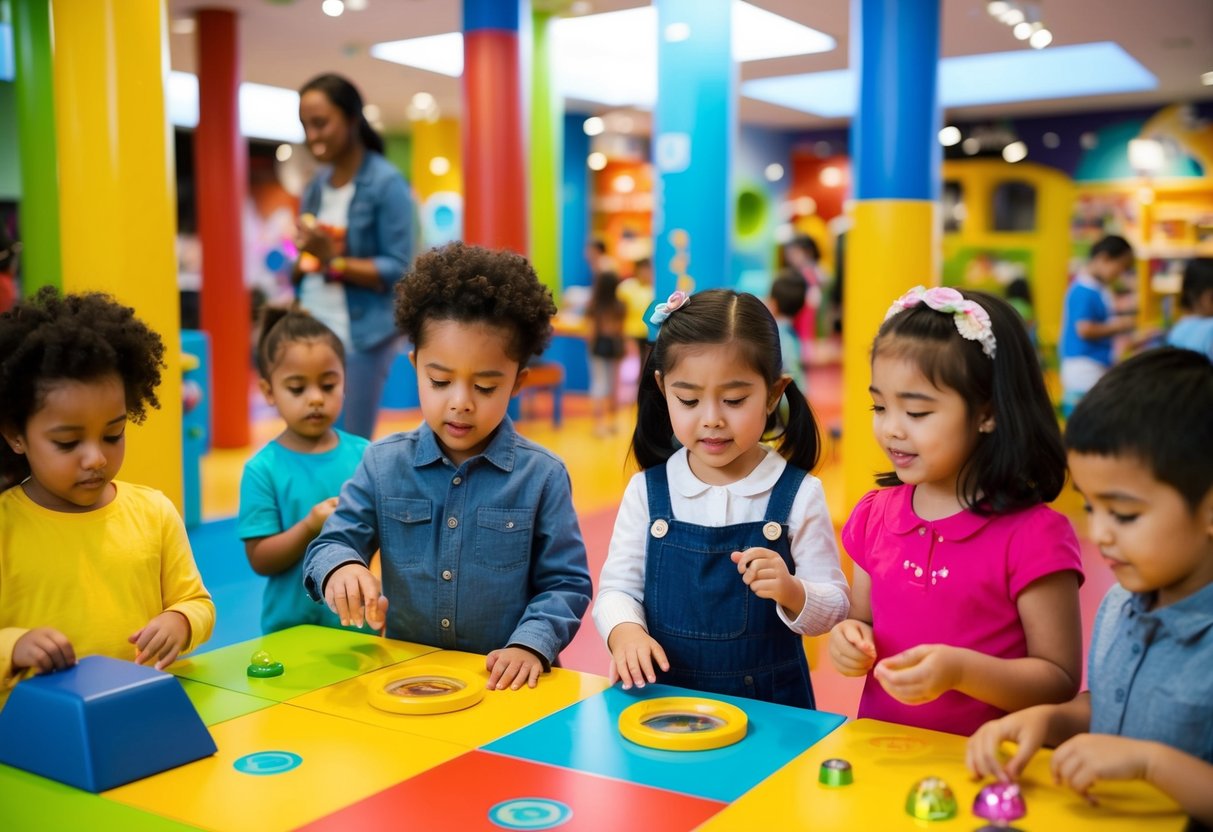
{"points": [[1088, 758], [852, 646], [619, 609], [44, 649], [1048, 609], [189, 613], [559, 578], [277, 553], [1029, 729], [1091, 330], [335, 562]]}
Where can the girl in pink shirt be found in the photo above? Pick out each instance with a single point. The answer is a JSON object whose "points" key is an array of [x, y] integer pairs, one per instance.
{"points": [[964, 603]]}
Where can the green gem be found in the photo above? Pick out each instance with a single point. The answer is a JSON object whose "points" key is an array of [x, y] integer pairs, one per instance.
{"points": [[263, 666], [835, 772]]}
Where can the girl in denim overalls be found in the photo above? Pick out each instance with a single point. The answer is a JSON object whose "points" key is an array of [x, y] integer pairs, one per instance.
{"points": [[723, 553]]}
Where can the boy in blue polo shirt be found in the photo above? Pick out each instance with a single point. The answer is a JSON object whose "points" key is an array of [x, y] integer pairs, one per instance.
{"points": [[1141, 453]]}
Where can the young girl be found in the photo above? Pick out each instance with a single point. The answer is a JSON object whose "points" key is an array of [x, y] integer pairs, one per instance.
{"points": [[964, 600], [290, 487], [605, 314], [88, 564], [723, 553]]}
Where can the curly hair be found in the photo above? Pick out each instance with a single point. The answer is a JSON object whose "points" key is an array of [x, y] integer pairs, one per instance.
{"points": [[470, 284], [75, 337]]}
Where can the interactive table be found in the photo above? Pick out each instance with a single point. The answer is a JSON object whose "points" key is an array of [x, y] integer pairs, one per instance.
{"points": [[308, 750]]}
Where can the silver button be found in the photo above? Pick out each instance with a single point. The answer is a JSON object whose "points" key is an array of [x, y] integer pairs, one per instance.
{"points": [[446, 623], [659, 528], [446, 574], [451, 522], [457, 480], [772, 530], [921, 531], [509, 524]]}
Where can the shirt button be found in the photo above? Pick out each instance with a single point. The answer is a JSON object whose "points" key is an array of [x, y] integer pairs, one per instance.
{"points": [[451, 522], [1120, 694], [446, 574], [509, 524], [1136, 649], [446, 623], [457, 480], [921, 531]]}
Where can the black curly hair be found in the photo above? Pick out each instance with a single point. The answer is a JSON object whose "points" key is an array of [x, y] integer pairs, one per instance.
{"points": [[75, 337], [470, 284]]}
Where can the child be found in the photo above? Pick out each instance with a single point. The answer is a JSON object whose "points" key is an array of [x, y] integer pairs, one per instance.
{"points": [[290, 487], [1088, 323], [964, 599], [605, 314], [637, 294], [1145, 468], [788, 291], [1195, 330], [480, 545], [723, 553], [88, 564]]}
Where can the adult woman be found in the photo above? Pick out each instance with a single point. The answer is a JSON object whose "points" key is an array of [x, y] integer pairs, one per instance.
{"points": [[355, 238]]}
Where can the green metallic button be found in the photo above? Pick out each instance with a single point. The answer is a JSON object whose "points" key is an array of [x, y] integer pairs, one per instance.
{"points": [[263, 666], [835, 772], [931, 799]]}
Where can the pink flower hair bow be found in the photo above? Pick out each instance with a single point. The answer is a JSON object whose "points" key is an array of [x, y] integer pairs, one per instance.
{"points": [[673, 303], [971, 318]]}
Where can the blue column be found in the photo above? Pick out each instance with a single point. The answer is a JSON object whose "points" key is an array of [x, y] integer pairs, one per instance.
{"points": [[694, 123], [575, 202]]}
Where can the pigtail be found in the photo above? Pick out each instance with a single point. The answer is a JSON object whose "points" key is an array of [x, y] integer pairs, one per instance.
{"points": [[653, 439], [800, 442]]}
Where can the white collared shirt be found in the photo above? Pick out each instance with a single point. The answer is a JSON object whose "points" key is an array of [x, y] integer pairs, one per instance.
{"points": [[814, 547]]}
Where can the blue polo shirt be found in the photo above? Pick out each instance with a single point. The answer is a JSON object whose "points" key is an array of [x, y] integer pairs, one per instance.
{"points": [[1086, 300], [1151, 671]]}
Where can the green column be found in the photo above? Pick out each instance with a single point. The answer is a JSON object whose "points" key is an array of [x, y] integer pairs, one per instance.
{"points": [[547, 150], [40, 253]]}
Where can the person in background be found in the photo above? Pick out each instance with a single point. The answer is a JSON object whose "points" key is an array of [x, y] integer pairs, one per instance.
{"points": [[802, 254], [637, 293], [786, 300], [9, 249], [1195, 330], [598, 259], [355, 238], [605, 315]]}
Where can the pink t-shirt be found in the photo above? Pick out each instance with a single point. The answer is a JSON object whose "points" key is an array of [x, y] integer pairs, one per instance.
{"points": [[950, 581]]}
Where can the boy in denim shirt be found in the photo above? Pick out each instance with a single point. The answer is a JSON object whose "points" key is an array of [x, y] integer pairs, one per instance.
{"points": [[480, 543], [1141, 453]]}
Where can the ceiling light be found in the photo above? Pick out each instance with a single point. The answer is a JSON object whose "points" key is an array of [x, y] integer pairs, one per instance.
{"points": [[773, 172], [1022, 30], [1040, 39], [997, 8], [596, 160], [1206, 78], [593, 126], [949, 136], [356, 5], [440, 166], [1015, 152], [283, 152], [333, 8], [1012, 17], [830, 176]]}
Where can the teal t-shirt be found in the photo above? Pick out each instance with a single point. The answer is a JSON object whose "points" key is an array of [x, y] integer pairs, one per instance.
{"points": [[278, 489]]}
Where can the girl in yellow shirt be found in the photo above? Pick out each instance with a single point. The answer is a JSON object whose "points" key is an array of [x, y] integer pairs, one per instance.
{"points": [[88, 564]]}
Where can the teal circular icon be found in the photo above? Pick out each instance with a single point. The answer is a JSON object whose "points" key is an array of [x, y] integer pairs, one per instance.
{"points": [[530, 813], [267, 762]]}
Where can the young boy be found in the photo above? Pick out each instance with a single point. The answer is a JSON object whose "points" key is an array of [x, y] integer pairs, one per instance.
{"points": [[480, 545], [788, 291], [1088, 324], [1195, 330], [1141, 453]]}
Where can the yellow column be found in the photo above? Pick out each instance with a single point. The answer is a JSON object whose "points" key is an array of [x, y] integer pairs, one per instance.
{"points": [[891, 247], [117, 192]]}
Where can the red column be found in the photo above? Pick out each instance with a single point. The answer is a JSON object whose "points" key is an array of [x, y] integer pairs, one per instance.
{"points": [[494, 164], [220, 177]]}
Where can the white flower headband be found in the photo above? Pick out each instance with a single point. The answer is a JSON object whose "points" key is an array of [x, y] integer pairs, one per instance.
{"points": [[663, 310], [971, 318]]}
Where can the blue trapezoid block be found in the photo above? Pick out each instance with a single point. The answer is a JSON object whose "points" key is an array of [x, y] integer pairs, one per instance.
{"points": [[101, 724]]}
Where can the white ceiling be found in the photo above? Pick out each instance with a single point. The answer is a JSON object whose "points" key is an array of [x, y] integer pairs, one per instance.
{"points": [[286, 42]]}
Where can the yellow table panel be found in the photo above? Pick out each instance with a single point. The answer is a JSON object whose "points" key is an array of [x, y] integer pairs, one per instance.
{"points": [[342, 762], [499, 713], [889, 759]]}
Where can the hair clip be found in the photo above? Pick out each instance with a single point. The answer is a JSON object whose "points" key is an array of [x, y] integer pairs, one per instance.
{"points": [[971, 319], [673, 303]]}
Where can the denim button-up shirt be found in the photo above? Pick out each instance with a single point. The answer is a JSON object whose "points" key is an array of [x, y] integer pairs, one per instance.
{"points": [[475, 557], [381, 228], [1151, 671]]}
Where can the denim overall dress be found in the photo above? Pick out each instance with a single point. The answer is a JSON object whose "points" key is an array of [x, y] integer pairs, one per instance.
{"points": [[718, 635]]}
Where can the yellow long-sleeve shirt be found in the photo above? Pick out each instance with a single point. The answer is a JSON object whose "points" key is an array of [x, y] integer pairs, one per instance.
{"points": [[97, 577]]}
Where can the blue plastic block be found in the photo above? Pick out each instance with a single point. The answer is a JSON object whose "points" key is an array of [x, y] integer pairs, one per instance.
{"points": [[100, 724]]}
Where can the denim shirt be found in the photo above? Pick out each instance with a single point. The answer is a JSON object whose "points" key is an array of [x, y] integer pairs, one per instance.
{"points": [[475, 557], [380, 227], [1151, 671]]}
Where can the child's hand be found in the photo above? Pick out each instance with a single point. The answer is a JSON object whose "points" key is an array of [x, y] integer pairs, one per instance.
{"points": [[352, 592], [767, 576], [319, 513], [45, 649], [632, 653], [1087, 758], [1024, 728], [919, 674], [852, 647], [511, 666], [161, 639]]}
